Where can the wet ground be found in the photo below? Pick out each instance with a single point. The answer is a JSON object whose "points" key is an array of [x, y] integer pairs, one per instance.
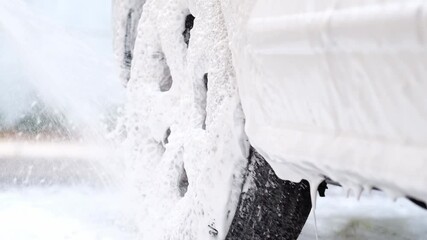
{"points": [[60, 191], [68, 196], [73, 213], [374, 217]]}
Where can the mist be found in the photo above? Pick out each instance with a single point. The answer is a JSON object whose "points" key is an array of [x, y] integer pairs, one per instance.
{"points": [[60, 54]]}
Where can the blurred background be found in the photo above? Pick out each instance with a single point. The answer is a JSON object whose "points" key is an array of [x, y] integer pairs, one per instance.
{"points": [[59, 101], [57, 74], [60, 98]]}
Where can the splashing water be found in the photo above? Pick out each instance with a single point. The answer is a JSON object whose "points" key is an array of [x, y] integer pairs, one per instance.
{"points": [[70, 70], [64, 66]]}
